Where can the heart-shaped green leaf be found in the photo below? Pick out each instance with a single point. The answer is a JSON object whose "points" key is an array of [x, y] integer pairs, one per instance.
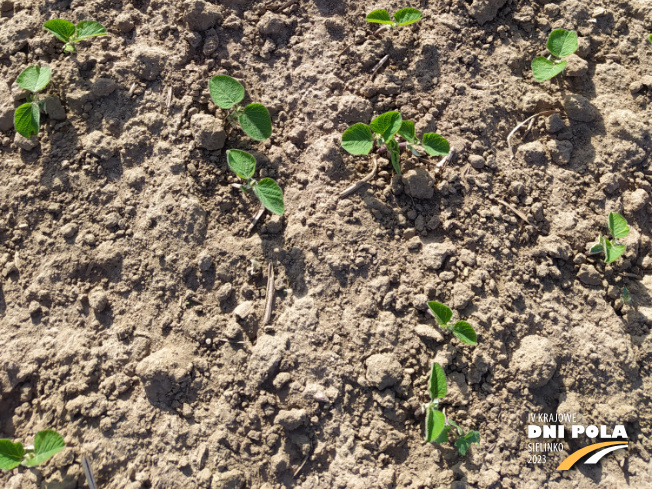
{"points": [[387, 125], [27, 119], [242, 163], [46, 444], [11, 454], [596, 248], [437, 382], [407, 131], [465, 333], [618, 225], [442, 313], [255, 121], [62, 29], [562, 43], [89, 28], [435, 145], [543, 69], [34, 78], [435, 422], [225, 91], [612, 251], [464, 442], [380, 16], [443, 436], [407, 16], [270, 195], [358, 139]]}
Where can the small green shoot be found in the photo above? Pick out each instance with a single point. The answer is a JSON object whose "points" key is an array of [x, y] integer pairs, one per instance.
{"points": [[46, 444], [650, 38], [69, 33], [359, 139], [266, 190], [254, 119], [437, 424], [463, 330], [561, 43], [403, 17], [27, 117], [626, 296], [612, 249]]}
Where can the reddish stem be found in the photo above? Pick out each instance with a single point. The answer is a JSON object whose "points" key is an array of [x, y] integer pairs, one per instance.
{"points": [[383, 148]]}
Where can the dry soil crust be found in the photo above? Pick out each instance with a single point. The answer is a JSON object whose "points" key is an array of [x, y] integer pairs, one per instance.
{"points": [[131, 295]]}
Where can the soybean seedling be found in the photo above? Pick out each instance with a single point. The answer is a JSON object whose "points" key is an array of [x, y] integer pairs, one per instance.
{"points": [[69, 33], [27, 117], [437, 424], [359, 139], [403, 17], [254, 119], [626, 296], [46, 444], [463, 330], [612, 249], [561, 43], [266, 190]]}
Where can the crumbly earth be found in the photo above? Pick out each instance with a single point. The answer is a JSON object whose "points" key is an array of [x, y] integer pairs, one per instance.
{"points": [[132, 295]]}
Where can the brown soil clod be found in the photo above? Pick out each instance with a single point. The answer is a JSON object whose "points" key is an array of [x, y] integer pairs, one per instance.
{"points": [[529, 120]]}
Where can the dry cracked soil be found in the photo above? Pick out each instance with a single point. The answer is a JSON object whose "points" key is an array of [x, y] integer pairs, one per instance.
{"points": [[132, 294]]}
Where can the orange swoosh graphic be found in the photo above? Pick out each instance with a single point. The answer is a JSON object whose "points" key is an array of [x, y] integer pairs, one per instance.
{"points": [[575, 456]]}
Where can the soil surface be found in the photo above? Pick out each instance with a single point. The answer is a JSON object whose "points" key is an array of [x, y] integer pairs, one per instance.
{"points": [[132, 294]]}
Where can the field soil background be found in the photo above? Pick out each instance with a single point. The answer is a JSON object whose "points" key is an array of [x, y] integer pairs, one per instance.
{"points": [[132, 294]]}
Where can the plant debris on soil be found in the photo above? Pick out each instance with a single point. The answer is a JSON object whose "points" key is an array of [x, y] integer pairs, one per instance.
{"points": [[133, 315]]}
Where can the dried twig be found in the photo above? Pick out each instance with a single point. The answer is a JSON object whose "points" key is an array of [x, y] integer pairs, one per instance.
{"points": [[511, 208], [132, 89], [521, 124], [283, 6], [359, 184], [296, 472], [86, 465], [257, 217], [223, 340], [478, 86], [168, 102], [269, 297], [379, 64], [344, 50], [631, 275]]}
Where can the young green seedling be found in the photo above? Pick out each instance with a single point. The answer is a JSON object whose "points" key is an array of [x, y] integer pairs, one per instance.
{"points": [[626, 296], [612, 249], [650, 38], [27, 117], [463, 330], [254, 119], [405, 16], [359, 139], [267, 190], [437, 424], [561, 43], [46, 444], [69, 33]]}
